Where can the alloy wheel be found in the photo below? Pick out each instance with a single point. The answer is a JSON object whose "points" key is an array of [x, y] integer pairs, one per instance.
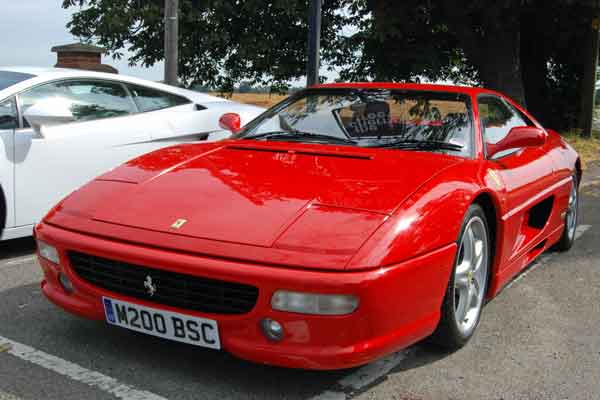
{"points": [[471, 275]]}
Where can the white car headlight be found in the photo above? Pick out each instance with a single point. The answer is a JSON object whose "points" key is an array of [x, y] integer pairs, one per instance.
{"points": [[310, 303], [48, 252]]}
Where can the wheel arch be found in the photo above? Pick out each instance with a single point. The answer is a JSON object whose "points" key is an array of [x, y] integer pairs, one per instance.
{"points": [[486, 201]]}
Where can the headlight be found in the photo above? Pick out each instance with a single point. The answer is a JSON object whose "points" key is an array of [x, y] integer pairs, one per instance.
{"points": [[310, 303], [48, 252]]}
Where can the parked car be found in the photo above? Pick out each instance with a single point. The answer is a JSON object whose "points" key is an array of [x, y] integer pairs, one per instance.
{"points": [[346, 223], [59, 128]]}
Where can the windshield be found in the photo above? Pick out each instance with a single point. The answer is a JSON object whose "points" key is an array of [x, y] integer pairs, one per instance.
{"points": [[8, 78], [419, 120]]}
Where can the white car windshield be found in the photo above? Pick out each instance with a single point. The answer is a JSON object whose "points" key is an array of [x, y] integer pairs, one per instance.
{"points": [[403, 119], [8, 78]]}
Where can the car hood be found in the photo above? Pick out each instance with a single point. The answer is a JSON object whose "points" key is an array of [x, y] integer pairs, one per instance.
{"points": [[297, 197]]}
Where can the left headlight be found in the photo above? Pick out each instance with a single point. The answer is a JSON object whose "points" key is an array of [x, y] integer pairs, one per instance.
{"points": [[310, 303], [48, 252]]}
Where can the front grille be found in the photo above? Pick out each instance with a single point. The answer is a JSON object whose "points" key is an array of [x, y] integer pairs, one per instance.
{"points": [[172, 289]]}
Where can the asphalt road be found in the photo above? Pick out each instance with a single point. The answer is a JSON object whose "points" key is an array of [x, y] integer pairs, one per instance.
{"points": [[539, 339]]}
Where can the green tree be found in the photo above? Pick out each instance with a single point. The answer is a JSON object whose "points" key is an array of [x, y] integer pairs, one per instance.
{"points": [[529, 49], [221, 42]]}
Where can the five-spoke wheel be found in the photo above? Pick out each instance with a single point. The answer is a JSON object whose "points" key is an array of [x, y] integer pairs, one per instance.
{"points": [[467, 287], [470, 276]]}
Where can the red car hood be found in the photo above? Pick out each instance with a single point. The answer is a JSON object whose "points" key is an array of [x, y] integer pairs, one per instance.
{"points": [[312, 198]]}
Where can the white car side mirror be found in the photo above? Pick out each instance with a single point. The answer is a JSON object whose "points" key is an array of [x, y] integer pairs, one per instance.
{"points": [[49, 112]]}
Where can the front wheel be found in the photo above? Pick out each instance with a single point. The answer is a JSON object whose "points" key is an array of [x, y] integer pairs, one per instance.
{"points": [[463, 302]]}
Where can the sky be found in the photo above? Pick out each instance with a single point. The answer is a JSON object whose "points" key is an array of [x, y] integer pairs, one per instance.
{"points": [[29, 28]]}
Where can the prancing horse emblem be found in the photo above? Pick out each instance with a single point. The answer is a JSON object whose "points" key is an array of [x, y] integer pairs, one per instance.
{"points": [[179, 223], [150, 286]]}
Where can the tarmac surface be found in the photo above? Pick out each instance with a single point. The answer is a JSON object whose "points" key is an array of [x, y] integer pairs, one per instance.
{"points": [[539, 339]]}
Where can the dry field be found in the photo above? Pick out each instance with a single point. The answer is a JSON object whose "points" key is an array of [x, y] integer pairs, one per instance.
{"points": [[258, 99]]}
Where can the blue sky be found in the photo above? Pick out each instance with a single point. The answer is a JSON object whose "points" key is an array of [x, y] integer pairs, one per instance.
{"points": [[29, 28]]}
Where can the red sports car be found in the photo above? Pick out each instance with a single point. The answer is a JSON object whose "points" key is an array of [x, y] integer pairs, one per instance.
{"points": [[343, 224]]}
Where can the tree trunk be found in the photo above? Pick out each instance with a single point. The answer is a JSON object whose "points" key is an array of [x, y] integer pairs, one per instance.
{"points": [[534, 64], [491, 39], [588, 89], [500, 66]]}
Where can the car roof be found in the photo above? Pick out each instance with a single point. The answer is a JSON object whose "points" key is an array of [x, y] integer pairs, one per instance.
{"points": [[41, 74], [408, 86]]}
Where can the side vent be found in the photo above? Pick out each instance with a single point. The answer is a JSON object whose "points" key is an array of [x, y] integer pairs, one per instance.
{"points": [[540, 213]]}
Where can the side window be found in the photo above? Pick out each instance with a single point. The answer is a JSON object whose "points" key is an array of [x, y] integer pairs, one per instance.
{"points": [[524, 117], [497, 119], [88, 99], [8, 115], [151, 99], [98, 99], [39, 93]]}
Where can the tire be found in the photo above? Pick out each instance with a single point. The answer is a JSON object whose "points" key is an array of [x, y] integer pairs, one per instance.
{"points": [[571, 218], [2, 213], [463, 302]]}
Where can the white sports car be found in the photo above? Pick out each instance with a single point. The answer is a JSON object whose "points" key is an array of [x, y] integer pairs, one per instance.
{"points": [[59, 128]]}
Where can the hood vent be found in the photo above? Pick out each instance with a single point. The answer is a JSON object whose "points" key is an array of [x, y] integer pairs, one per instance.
{"points": [[302, 152]]}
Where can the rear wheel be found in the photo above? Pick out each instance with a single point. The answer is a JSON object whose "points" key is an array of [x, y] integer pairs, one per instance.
{"points": [[467, 286], [568, 236]]}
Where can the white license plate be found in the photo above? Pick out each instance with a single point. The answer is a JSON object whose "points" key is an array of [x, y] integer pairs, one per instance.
{"points": [[165, 324]]}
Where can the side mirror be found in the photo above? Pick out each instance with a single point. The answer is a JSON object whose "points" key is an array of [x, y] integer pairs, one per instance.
{"points": [[519, 136], [231, 122], [49, 112]]}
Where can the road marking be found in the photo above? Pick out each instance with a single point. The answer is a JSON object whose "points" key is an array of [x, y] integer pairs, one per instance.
{"points": [[365, 376], [541, 260], [581, 229], [19, 260], [7, 396], [77, 372]]}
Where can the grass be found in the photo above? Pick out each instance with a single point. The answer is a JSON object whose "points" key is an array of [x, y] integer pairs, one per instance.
{"points": [[588, 148]]}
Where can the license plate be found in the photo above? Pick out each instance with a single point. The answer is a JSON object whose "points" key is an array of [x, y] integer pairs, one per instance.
{"points": [[165, 324]]}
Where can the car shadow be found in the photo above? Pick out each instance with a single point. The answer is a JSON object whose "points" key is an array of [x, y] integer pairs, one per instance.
{"points": [[176, 370], [17, 248]]}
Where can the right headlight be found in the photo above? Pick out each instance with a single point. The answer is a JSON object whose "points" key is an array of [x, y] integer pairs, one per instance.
{"points": [[311, 303], [48, 252]]}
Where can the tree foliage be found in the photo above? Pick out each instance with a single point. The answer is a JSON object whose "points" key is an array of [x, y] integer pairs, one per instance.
{"points": [[221, 42], [529, 49]]}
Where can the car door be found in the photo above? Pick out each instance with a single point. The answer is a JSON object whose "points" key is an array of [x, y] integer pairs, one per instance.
{"points": [[524, 175], [105, 131], [187, 121], [8, 124]]}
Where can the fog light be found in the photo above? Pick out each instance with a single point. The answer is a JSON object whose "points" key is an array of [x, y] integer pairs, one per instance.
{"points": [[311, 303], [65, 282], [272, 329], [48, 252]]}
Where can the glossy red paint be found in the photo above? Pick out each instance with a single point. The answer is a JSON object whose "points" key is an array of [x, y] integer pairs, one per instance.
{"points": [[375, 223], [519, 136]]}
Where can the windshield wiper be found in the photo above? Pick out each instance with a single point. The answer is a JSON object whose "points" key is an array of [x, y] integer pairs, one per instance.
{"points": [[299, 136], [419, 144]]}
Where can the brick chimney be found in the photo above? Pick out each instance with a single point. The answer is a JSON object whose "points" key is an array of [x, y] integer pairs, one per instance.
{"points": [[82, 56]]}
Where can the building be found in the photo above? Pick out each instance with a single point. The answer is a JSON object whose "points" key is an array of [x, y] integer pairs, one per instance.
{"points": [[82, 56]]}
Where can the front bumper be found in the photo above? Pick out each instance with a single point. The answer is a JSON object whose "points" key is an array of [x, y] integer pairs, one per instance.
{"points": [[399, 305]]}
